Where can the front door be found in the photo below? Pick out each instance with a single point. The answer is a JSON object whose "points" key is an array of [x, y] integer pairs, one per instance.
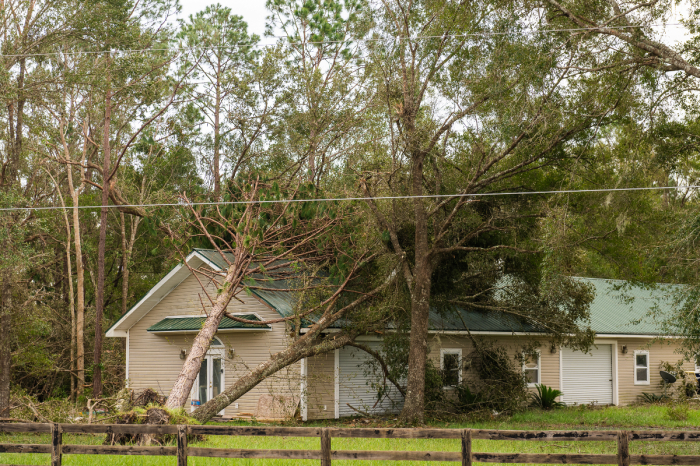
{"points": [[209, 382]]}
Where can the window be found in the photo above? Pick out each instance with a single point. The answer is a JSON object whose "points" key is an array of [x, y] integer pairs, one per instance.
{"points": [[531, 368], [451, 366], [641, 367], [216, 342]]}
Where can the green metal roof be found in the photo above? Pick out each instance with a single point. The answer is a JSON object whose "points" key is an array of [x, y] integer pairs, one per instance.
{"points": [[281, 301], [618, 307], [184, 324]]}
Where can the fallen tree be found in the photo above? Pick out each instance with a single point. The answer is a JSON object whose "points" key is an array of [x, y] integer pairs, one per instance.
{"points": [[315, 248]]}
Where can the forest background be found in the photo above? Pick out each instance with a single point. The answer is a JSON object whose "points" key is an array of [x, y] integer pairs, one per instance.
{"points": [[112, 103]]}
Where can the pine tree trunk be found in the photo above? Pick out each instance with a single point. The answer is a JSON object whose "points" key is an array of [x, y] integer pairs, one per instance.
{"points": [[80, 295], [217, 142], [17, 144], [102, 244], [183, 385], [80, 281], [71, 304], [125, 265]]}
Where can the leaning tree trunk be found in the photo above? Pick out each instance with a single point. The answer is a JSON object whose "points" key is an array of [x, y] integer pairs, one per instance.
{"points": [[302, 348], [185, 380]]}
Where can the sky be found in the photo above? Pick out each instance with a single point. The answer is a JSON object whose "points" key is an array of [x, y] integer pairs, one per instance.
{"points": [[253, 11]]}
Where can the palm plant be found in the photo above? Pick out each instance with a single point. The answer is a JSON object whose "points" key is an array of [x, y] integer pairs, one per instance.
{"points": [[546, 397]]}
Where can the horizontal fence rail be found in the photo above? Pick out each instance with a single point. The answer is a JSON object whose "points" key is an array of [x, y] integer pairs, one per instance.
{"points": [[325, 455]]}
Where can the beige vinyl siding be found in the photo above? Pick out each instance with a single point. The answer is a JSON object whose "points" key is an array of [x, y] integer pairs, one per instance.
{"points": [[320, 377], [154, 359], [659, 352], [628, 392]]}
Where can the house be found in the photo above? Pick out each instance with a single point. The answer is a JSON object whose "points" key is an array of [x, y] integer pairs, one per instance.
{"points": [[159, 329]]}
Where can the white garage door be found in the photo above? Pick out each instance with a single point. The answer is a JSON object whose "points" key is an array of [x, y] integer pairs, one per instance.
{"points": [[587, 377], [356, 385]]}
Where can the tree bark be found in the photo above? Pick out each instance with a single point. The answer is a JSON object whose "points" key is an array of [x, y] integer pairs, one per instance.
{"points": [[17, 143], [414, 406], [217, 136], [183, 385], [80, 279], [102, 244], [125, 265], [71, 302]]}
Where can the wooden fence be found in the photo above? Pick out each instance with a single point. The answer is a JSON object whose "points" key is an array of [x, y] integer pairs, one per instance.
{"points": [[182, 451]]}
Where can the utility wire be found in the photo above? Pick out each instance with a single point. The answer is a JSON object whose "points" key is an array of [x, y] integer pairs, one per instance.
{"points": [[247, 44], [340, 199]]}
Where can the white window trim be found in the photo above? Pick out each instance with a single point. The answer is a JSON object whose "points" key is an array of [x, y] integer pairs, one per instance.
{"points": [[539, 368], [458, 352], [634, 365]]}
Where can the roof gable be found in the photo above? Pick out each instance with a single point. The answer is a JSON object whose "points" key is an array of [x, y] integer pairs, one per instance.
{"points": [[280, 301], [155, 295]]}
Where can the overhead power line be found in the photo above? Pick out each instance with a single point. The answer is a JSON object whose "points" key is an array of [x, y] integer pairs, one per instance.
{"points": [[343, 199], [379, 39]]}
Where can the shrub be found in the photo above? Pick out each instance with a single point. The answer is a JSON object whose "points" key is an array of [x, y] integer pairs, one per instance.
{"points": [[678, 411], [546, 397], [499, 381], [467, 400], [686, 385], [653, 398]]}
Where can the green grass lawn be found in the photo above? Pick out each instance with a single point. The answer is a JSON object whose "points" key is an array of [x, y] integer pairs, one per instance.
{"points": [[630, 418]]}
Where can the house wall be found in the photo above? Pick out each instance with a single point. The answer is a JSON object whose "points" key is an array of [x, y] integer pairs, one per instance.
{"points": [[658, 352], [628, 392], [322, 386], [154, 359], [320, 378]]}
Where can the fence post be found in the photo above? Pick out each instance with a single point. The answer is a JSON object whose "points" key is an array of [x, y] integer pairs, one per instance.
{"points": [[467, 447], [623, 448], [325, 447], [56, 441], [182, 445]]}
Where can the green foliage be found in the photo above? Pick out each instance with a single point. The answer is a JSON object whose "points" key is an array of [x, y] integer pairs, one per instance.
{"points": [[686, 385], [653, 398], [678, 411], [546, 397], [498, 379], [468, 400]]}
